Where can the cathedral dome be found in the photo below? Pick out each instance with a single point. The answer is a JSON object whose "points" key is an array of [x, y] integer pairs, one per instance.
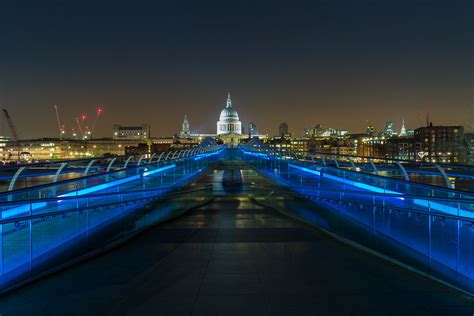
{"points": [[229, 114], [229, 120]]}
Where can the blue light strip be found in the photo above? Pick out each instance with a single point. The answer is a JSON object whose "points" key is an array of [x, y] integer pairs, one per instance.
{"points": [[114, 183], [434, 205], [147, 173], [345, 181], [424, 203], [305, 169], [265, 156], [360, 185], [22, 209], [442, 208], [54, 243], [201, 156], [37, 205]]}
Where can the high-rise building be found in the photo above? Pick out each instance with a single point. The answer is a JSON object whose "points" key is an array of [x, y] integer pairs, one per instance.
{"points": [[403, 130], [403, 147], [370, 129], [315, 131], [131, 132], [388, 130], [444, 144], [185, 132], [283, 130], [252, 129]]}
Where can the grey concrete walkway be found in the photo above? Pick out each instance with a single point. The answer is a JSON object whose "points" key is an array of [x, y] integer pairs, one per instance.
{"points": [[234, 257]]}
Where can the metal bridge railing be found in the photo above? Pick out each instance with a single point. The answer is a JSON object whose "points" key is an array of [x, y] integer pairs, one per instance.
{"points": [[39, 225], [444, 175], [34, 244], [424, 227], [77, 184], [14, 177], [342, 169]]}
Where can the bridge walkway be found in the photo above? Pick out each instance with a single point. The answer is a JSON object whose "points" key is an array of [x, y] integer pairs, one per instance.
{"points": [[233, 256]]}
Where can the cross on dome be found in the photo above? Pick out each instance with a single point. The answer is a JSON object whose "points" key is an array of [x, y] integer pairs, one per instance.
{"points": [[229, 101]]}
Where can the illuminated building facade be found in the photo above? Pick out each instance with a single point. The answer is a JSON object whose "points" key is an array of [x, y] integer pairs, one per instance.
{"points": [[131, 132], [445, 144], [229, 122], [185, 131]]}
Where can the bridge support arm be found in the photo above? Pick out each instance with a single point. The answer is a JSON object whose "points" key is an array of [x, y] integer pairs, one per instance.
{"points": [[111, 163], [445, 176], [88, 167], [405, 173], [159, 157], [15, 176], [151, 158], [140, 160], [373, 166], [127, 161], [56, 176]]}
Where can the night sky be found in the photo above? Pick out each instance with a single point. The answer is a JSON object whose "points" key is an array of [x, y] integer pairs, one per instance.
{"points": [[337, 63]]}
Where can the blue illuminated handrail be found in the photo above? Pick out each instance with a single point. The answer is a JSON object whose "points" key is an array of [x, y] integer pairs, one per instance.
{"points": [[431, 235], [111, 172], [94, 195], [448, 170], [461, 166], [401, 181], [105, 205], [59, 161], [396, 208], [39, 206]]}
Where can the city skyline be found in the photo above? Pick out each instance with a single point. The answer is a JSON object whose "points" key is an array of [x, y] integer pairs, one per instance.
{"points": [[107, 131], [304, 64]]}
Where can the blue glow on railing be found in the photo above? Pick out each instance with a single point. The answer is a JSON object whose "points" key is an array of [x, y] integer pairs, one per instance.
{"points": [[114, 183], [254, 154], [436, 206], [443, 208], [305, 169], [147, 173], [201, 156], [53, 246], [345, 181], [360, 185], [22, 209], [34, 206], [16, 263]]}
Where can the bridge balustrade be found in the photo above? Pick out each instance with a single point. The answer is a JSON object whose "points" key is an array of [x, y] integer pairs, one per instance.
{"points": [[456, 176], [424, 227], [43, 227], [22, 176]]}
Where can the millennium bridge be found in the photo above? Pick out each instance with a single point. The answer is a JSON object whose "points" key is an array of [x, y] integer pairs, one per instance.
{"points": [[233, 230]]}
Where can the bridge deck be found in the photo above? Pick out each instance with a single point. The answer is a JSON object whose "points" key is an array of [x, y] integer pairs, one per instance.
{"points": [[234, 257]]}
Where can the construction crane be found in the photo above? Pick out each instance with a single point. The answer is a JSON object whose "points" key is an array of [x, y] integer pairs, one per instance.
{"points": [[79, 127], [13, 132], [11, 126], [99, 112], [60, 127], [87, 132]]}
